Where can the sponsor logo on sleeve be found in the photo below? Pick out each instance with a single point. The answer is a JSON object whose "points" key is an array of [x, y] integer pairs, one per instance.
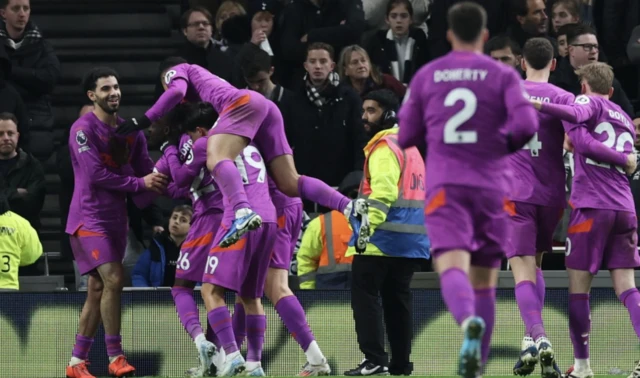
{"points": [[168, 76], [81, 140]]}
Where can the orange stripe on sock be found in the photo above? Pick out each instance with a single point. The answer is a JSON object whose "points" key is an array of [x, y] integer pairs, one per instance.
{"points": [[581, 227]]}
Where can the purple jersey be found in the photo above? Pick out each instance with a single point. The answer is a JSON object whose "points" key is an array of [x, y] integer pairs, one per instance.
{"points": [[469, 110], [194, 175], [599, 181], [185, 145], [193, 83], [538, 168], [253, 172], [105, 168]]}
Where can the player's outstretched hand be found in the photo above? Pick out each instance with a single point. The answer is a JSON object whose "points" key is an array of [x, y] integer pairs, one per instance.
{"points": [[567, 144], [536, 103], [133, 124], [156, 182], [632, 163]]}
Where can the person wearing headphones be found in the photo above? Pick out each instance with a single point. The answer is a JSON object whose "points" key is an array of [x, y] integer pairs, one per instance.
{"points": [[393, 184]]}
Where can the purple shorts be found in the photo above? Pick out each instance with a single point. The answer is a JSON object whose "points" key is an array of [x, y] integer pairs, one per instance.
{"points": [[195, 249], [92, 249], [243, 266], [468, 219], [532, 228], [289, 225], [602, 239], [254, 117]]}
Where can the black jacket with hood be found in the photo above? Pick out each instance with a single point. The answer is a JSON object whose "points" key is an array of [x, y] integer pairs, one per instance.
{"points": [[11, 102], [27, 173]]}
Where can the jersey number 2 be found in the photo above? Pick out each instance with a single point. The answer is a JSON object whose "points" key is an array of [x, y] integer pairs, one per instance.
{"points": [[611, 142], [451, 133]]}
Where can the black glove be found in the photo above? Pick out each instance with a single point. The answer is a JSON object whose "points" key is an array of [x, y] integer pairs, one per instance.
{"points": [[133, 124], [172, 140]]}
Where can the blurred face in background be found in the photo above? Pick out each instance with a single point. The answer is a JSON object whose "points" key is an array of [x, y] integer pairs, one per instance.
{"points": [[8, 139], [227, 10], [179, 224], [260, 82], [399, 20], [318, 65], [560, 16], [106, 95], [262, 21], [584, 50], [536, 21], [358, 66], [562, 45], [16, 14], [198, 30], [371, 115], [506, 56]]}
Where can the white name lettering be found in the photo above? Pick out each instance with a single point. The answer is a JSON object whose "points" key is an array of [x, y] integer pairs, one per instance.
{"points": [[541, 99], [459, 74], [615, 115]]}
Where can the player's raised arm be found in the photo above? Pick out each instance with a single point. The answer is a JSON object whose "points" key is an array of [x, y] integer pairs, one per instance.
{"points": [[184, 174], [83, 147], [580, 112], [412, 128], [522, 120]]}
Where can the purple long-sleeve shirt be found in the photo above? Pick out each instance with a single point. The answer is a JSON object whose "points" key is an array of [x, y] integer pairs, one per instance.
{"points": [[101, 182], [464, 107]]}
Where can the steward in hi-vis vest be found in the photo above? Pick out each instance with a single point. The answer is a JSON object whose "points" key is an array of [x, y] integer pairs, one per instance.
{"points": [[393, 184]]}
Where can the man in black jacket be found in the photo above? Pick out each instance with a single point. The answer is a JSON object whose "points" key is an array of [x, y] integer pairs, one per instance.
{"points": [[338, 23], [584, 49], [22, 176], [324, 121], [35, 69]]}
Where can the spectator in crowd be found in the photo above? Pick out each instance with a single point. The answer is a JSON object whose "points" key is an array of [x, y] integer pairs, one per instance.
{"points": [[321, 259], [564, 12], [19, 246], [584, 49], [227, 9], [438, 24], [196, 24], [11, 102], [35, 69], [258, 71], [532, 20], [384, 266], [402, 49], [263, 14], [22, 174], [355, 70], [374, 13], [236, 32], [504, 50], [324, 126], [561, 36], [338, 23], [157, 265]]}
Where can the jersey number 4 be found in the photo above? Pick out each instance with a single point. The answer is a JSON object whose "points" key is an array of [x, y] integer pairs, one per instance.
{"points": [[611, 142]]}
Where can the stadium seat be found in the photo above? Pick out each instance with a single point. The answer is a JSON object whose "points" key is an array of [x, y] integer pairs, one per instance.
{"points": [[105, 25]]}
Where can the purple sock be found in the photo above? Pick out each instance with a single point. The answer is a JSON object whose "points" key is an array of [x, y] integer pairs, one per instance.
{"points": [[220, 320], [228, 179], [631, 300], [540, 286], [579, 324], [486, 309], [312, 189], [187, 310], [238, 324], [256, 328], [211, 336], [530, 309], [82, 347], [457, 294], [295, 320], [114, 345]]}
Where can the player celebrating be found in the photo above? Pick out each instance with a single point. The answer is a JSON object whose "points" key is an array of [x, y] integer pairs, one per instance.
{"points": [[538, 201], [105, 168], [602, 229], [471, 112], [245, 116]]}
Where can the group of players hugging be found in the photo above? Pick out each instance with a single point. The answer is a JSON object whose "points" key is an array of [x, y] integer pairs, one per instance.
{"points": [[495, 186]]}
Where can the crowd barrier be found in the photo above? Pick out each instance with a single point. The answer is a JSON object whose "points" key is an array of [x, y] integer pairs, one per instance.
{"points": [[38, 331]]}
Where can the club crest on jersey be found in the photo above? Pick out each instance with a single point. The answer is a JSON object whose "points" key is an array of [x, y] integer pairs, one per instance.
{"points": [[582, 100], [168, 76]]}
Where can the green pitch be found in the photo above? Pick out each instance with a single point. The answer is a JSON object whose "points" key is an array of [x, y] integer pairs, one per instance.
{"points": [[417, 376]]}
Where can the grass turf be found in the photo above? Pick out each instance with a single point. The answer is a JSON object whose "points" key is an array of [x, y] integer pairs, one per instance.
{"points": [[433, 376]]}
